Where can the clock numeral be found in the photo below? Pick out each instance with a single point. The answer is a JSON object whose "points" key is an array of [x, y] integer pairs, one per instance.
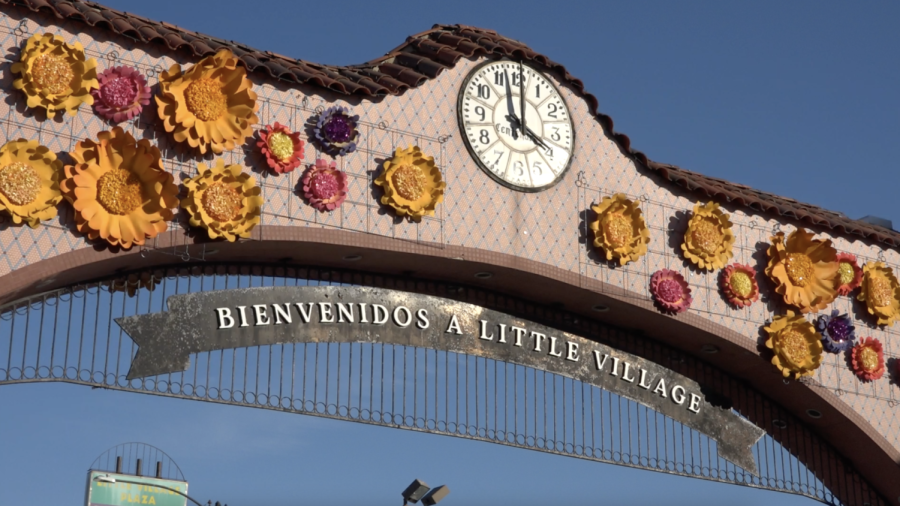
{"points": [[480, 111], [536, 169], [549, 151], [553, 110], [516, 77], [555, 135], [519, 168], [498, 78], [484, 137], [484, 91], [499, 156], [537, 91]]}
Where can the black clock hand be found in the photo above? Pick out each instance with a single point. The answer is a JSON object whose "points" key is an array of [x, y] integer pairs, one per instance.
{"points": [[535, 139], [511, 117], [522, 98]]}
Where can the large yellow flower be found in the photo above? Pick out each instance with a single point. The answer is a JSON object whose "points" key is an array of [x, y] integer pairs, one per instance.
{"points": [[119, 189], [797, 345], [29, 182], [619, 229], [211, 105], [55, 75], [709, 240], [881, 292], [805, 270], [223, 200], [412, 183]]}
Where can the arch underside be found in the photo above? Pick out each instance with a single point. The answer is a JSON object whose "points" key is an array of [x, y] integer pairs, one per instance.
{"points": [[69, 335]]}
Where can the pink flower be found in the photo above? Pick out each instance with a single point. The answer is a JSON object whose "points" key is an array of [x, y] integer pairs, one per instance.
{"points": [[670, 290], [867, 359], [324, 187], [122, 95], [282, 148]]}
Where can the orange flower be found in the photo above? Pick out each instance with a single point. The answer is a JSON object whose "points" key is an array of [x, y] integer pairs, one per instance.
{"points": [[54, 75], [29, 182], [739, 285], [412, 183], [881, 292], [796, 344], [223, 200], [804, 269], [211, 105], [851, 274], [709, 240], [867, 359], [119, 189], [619, 229]]}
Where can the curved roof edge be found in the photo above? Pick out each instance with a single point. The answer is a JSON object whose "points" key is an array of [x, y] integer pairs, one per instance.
{"points": [[423, 57]]}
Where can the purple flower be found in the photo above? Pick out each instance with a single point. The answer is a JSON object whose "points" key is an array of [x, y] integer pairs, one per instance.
{"points": [[336, 131], [838, 332]]}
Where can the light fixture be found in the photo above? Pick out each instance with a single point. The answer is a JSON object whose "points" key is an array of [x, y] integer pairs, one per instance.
{"points": [[484, 275], [435, 495], [709, 349], [779, 424], [352, 258], [414, 492], [600, 308], [814, 413]]}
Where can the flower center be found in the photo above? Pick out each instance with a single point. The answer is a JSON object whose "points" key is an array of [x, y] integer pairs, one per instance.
{"points": [[120, 92], [838, 329], [281, 145], [20, 183], [324, 185], [52, 73], [670, 291], [618, 229], [741, 284], [799, 268], [847, 274], [205, 99], [706, 236], [338, 129], [119, 191], [881, 290], [794, 346], [409, 182], [222, 202], [868, 358]]}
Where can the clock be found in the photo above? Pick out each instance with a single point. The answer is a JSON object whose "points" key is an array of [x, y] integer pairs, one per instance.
{"points": [[516, 125]]}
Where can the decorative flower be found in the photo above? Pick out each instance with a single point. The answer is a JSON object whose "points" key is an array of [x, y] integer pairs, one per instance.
{"points": [[55, 75], [738, 282], [867, 359], [804, 269], [29, 182], [838, 332], [223, 200], [851, 274], [119, 189], [412, 183], [211, 105], [324, 186], [122, 95], [881, 292], [283, 149], [337, 131], [619, 229], [709, 239], [797, 345], [670, 290]]}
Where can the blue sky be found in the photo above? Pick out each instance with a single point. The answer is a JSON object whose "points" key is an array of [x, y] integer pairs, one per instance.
{"points": [[799, 99]]}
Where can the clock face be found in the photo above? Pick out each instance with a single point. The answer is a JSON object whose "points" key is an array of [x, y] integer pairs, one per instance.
{"points": [[527, 151]]}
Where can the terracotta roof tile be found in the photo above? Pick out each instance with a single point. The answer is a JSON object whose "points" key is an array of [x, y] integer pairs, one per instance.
{"points": [[424, 56]]}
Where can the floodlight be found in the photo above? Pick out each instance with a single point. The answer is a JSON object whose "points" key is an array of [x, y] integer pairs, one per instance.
{"points": [[415, 491], [105, 479], [436, 494]]}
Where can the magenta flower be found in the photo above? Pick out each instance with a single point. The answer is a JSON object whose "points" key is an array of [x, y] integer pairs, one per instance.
{"points": [[670, 290], [324, 186], [122, 95]]}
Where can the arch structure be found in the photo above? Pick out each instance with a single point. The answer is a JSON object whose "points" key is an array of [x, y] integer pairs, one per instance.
{"points": [[74, 298]]}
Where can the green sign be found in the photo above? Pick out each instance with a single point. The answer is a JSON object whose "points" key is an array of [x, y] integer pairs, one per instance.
{"points": [[111, 489]]}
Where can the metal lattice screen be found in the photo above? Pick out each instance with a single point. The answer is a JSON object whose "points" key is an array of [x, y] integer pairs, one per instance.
{"points": [[69, 335]]}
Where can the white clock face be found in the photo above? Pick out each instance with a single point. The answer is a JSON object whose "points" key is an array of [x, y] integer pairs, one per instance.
{"points": [[527, 151]]}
